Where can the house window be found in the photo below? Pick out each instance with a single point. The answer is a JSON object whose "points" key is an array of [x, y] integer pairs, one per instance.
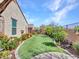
{"points": [[14, 26]]}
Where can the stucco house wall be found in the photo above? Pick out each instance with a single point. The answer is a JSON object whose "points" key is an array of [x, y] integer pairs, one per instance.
{"points": [[13, 11]]}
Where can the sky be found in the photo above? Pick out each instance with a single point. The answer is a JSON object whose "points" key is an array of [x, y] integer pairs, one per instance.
{"points": [[39, 12]]}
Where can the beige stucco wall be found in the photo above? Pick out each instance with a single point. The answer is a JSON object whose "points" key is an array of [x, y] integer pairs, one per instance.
{"points": [[12, 11]]}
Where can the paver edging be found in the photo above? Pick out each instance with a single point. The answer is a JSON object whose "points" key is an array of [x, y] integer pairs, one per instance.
{"points": [[16, 51], [50, 55]]}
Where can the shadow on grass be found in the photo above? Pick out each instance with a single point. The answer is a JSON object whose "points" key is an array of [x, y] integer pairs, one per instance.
{"points": [[49, 44]]}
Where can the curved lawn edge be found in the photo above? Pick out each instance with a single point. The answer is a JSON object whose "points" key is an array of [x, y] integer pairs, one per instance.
{"points": [[16, 51], [36, 45]]}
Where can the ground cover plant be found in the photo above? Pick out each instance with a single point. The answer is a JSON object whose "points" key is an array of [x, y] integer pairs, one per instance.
{"points": [[36, 45]]}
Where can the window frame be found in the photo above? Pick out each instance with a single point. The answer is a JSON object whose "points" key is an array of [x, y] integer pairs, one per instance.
{"points": [[14, 27]]}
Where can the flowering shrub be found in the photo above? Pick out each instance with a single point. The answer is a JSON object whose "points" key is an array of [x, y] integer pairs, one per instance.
{"points": [[4, 54], [7, 43], [12, 42], [4, 41], [25, 36], [3, 37]]}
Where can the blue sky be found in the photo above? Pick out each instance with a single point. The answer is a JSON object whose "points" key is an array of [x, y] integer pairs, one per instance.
{"points": [[40, 12]]}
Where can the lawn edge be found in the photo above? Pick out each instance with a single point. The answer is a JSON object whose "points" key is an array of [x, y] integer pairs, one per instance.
{"points": [[16, 51]]}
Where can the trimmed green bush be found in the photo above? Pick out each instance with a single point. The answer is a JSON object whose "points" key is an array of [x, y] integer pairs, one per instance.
{"points": [[59, 36], [56, 32]]}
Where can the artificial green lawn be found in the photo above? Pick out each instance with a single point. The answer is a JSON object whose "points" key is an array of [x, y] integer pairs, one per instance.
{"points": [[36, 45]]}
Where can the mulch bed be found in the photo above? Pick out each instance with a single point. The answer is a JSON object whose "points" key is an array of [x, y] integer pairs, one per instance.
{"points": [[68, 46], [13, 54], [72, 51]]}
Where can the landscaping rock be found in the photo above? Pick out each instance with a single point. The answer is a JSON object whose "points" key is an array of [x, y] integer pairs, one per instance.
{"points": [[1, 49], [54, 55]]}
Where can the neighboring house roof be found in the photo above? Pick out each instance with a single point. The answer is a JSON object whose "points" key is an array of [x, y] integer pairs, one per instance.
{"points": [[4, 5], [30, 25]]}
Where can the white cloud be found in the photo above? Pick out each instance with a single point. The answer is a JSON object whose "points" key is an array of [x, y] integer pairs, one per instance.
{"points": [[54, 5], [71, 1], [60, 14]]}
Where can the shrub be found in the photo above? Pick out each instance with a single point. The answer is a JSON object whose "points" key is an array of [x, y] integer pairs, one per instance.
{"points": [[12, 45], [76, 47], [3, 37], [7, 43], [0, 44], [4, 54], [34, 33], [76, 28], [15, 39], [25, 36], [56, 32], [59, 36], [3, 41], [12, 42], [49, 30]]}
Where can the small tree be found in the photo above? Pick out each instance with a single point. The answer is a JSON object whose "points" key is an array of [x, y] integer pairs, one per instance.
{"points": [[59, 36], [49, 30], [56, 32], [76, 28]]}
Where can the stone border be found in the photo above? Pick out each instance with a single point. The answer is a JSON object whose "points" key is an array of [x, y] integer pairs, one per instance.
{"points": [[67, 52], [17, 56], [16, 51], [52, 55]]}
